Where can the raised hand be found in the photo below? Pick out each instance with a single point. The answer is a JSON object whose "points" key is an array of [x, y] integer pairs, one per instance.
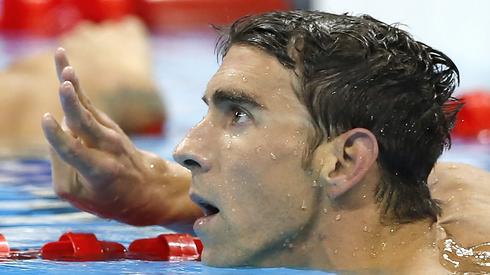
{"points": [[97, 168]]}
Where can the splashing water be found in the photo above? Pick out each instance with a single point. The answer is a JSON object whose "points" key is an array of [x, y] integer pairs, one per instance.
{"points": [[458, 259]]}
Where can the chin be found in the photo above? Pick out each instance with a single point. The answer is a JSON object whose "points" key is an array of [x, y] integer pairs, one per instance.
{"points": [[223, 258]]}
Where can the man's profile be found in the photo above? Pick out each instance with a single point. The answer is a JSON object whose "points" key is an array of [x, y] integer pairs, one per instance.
{"points": [[316, 151]]}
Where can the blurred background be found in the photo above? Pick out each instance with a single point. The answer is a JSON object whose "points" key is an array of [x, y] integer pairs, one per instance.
{"points": [[156, 64]]}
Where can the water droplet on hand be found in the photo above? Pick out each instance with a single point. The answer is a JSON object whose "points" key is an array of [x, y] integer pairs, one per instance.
{"points": [[338, 217], [273, 156], [303, 205]]}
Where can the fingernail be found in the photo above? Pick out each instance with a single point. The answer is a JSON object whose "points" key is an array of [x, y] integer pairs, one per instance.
{"points": [[66, 84]]}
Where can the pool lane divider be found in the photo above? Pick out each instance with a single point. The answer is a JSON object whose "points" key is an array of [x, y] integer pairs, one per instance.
{"points": [[73, 246]]}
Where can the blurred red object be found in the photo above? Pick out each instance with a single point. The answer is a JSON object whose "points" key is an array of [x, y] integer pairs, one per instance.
{"points": [[174, 15], [52, 17], [4, 246], [473, 120]]}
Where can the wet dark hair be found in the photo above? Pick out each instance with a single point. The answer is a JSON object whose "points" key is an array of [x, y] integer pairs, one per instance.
{"points": [[359, 72]]}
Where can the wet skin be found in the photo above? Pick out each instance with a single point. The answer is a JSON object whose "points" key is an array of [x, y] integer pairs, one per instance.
{"points": [[246, 159]]}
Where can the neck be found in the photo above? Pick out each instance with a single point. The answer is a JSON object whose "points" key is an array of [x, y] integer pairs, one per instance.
{"points": [[359, 241]]}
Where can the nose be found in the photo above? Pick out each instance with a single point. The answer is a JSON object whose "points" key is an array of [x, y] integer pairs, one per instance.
{"points": [[193, 152]]}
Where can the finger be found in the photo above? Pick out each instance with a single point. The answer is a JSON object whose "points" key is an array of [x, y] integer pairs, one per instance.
{"points": [[68, 148], [68, 74], [61, 62], [65, 72], [78, 119]]}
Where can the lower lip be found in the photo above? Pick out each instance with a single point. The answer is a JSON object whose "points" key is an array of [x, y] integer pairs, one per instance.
{"points": [[203, 221]]}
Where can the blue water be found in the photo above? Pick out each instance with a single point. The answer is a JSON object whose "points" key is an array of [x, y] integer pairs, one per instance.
{"points": [[31, 215]]}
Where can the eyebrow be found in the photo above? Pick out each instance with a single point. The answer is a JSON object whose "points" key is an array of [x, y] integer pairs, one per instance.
{"points": [[235, 96]]}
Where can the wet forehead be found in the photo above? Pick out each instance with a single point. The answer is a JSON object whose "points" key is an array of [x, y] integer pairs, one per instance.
{"points": [[250, 69]]}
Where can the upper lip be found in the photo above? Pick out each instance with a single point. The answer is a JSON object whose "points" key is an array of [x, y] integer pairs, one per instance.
{"points": [[206, 206]]}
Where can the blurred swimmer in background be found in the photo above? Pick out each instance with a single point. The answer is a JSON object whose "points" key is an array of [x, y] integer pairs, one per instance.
{"points": [[116, 71], [318, 150]]}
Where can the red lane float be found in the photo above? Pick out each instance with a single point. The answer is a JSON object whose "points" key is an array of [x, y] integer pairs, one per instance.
{"points": [[4, 247], [80, 247], [167, 247]]}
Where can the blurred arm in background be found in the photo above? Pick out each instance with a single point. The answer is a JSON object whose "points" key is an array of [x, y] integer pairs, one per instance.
{"points": [[113, 61]]}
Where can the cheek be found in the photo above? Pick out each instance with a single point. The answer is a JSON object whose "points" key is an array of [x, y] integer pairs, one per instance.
{"points": [[264, 174]]}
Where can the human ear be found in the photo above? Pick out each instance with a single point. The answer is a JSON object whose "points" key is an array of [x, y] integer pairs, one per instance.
{"points": [[348, 159], [295, 52]]}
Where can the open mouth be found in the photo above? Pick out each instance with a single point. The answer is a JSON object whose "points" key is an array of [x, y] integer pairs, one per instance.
{"points": [[207, 208]]}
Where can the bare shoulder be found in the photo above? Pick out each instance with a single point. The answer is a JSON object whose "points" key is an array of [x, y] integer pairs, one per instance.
{"points": [[464, 194], [463, 171]]}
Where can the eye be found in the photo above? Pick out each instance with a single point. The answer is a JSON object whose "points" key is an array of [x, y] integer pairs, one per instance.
{"points": [[239, 116]]}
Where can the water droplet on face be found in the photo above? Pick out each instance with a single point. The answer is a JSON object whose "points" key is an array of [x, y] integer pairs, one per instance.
{"points": [[365, 228], [315, 183], [228, 145], [274, 157], [325, 210], [335, 251], [364, 196], [303, 205], [244, 79], [233, 210], [338, 217], [258, 149], [288, 195], [152, 166]]}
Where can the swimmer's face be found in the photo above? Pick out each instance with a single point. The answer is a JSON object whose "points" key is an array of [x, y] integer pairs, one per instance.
{"points": [[246, 159]]}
